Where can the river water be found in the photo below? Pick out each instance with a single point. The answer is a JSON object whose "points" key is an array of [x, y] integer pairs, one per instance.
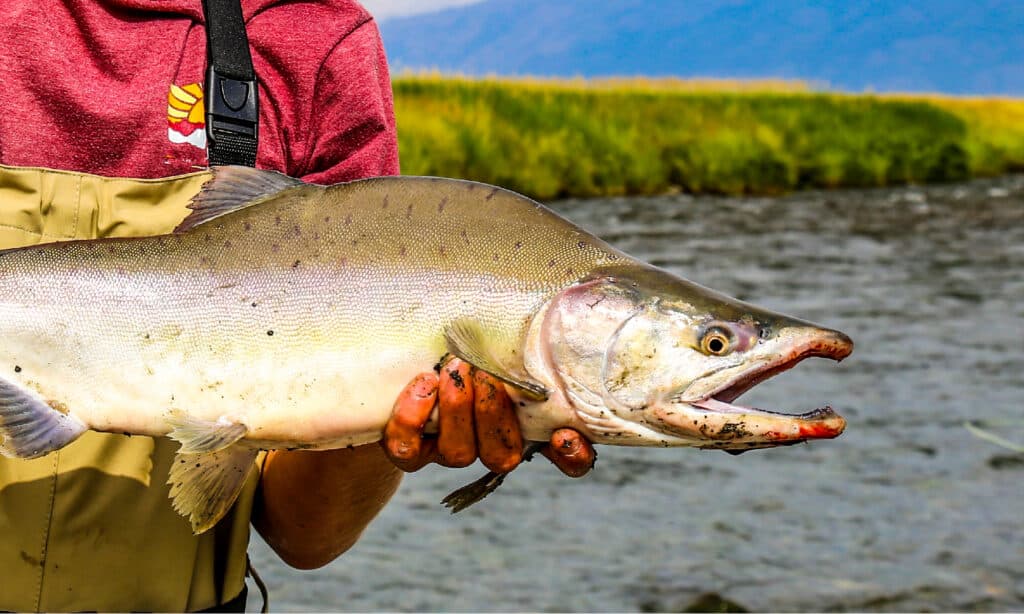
{"points": [[907, 510]]}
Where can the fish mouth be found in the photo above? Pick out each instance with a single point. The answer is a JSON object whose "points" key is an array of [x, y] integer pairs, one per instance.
{"points": [[721, 424]]}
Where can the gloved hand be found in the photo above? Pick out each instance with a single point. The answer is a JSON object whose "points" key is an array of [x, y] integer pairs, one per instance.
{"points": [[476, 418]]}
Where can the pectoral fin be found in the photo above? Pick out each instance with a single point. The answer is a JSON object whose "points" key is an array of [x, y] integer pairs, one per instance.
{"points": [[461, 498], [468, 340], [29, 426], [204, 486]]}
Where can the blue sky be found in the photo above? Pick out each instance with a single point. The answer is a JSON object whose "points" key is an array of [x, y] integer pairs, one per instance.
{"points": [[383, 9]]}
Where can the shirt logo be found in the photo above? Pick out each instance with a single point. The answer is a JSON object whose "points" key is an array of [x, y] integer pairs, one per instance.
{"points": [[186, 115]]}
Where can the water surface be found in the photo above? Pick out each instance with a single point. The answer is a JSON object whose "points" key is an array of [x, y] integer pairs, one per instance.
{"points": [[906, 511]]}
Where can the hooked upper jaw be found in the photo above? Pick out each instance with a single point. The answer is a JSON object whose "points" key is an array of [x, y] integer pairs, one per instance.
{"points": [[705, 410]]}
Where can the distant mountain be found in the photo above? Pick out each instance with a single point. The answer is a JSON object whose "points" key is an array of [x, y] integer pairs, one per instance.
{"points": [[961, 46]]}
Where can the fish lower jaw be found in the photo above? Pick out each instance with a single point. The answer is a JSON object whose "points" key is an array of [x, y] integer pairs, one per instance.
{"points": [[723, 407], [721, 425]]}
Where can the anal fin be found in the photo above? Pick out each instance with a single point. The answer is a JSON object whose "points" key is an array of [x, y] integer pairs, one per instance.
{"points": [[204, 486], [29, 427]]}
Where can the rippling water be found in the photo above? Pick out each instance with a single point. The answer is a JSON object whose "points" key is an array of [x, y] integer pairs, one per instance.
{"points": [[906, 511]]}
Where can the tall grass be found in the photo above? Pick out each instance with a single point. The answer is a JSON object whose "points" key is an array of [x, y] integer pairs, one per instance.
{"points": [[552, 139]]}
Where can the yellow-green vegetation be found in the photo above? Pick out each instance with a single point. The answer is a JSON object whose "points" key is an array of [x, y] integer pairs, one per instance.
{"points": [[552, 139]]}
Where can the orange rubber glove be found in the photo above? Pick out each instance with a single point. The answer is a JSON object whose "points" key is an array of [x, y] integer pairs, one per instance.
{"points": [[476, 418]]}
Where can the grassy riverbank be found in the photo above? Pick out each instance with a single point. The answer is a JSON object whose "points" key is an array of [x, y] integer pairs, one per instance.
{"points": [[552, 139]]}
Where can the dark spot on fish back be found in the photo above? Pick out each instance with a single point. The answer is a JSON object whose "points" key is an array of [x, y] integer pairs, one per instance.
{"points": [[275, 248], [17, 369], [491, 194], [247, 226], [277, 220], [327, 219], [295, 264], [384, 205], [551, 263], [440, 205], [270, 333], [581, 245], [227, 245], [348, 219], [408, 212], [401, 251], [518, 245], [441, 250], [254, 304]]}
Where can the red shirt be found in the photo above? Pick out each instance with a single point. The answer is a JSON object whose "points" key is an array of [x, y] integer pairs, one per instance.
{"points": [[113, 87]]}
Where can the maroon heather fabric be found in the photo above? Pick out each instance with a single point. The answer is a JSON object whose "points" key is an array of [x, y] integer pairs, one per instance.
{"points": [[87, 86]]}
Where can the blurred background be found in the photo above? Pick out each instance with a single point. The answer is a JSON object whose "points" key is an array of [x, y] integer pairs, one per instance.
{"points": [[853, 163]]}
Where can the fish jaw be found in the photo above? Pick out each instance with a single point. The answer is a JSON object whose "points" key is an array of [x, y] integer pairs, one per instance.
{"points": [[711, 417]]}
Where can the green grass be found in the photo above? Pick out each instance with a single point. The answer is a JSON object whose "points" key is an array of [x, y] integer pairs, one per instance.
{"points": [[551, 139]]}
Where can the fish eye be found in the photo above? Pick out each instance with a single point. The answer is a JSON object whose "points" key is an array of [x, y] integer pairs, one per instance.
{"points": [[717, 341]]}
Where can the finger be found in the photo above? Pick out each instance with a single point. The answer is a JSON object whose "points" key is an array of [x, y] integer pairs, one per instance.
{"points": [[497, 428], [456, 444], [403, 440], [570, 452], [428, 454]]}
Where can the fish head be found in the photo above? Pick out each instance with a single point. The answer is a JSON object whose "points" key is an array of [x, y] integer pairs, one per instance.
{"points": [[647, 358]]}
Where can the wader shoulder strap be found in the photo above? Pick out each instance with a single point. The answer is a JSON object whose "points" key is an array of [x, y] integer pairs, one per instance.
{"points": [[232, 112]]}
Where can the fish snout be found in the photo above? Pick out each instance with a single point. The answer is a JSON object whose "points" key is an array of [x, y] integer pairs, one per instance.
{"points": [[832, 344]]}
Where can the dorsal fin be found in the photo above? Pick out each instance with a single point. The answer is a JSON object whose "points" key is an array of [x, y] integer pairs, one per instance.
{"points": [[232, 188]]}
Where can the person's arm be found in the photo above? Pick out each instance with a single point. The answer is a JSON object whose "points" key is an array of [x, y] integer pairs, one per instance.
{"points": [[313, 506]]}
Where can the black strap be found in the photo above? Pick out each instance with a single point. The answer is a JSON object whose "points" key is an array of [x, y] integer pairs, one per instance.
{"points": [[232, 110], [237, 604]]}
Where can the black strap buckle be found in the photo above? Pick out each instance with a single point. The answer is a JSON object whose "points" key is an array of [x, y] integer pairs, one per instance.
{"points": [[232, 118]]}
